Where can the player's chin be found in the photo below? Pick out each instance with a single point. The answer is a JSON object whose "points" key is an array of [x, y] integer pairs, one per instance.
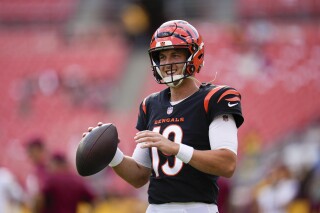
{"points": [[174, 84]]}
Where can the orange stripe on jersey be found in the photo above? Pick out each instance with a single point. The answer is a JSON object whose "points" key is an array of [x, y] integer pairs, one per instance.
{"points": [[209, 95], [229, 92], [233, 99], [144, 107]]}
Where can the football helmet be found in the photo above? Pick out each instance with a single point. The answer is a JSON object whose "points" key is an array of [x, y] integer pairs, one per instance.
{"points": [[177, 34]]}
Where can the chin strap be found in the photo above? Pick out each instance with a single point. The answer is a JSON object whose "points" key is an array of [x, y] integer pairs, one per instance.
{"points": [[177, 83], [174, 84], [169, 80]]}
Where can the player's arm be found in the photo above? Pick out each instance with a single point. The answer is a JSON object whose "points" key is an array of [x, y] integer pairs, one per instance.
{"points": [[135, 170], [220, 160], [136, 174], [223, 105]]}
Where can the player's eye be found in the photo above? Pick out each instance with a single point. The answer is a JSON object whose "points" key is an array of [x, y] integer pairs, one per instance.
{"points": [[161, 57]]}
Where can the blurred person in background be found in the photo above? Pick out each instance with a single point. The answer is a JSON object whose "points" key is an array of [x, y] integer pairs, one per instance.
{"points": [[278, 191], [141, 18], [314, 189], [38, 154], [11, 192], [224, 185], [187, 133], [63, 190], [309, 190]]}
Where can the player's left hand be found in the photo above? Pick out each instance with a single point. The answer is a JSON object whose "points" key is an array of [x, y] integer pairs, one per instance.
{"points": [[149, 139]]}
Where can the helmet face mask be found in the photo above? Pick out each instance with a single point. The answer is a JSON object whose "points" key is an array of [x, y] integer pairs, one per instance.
{"points": [[176, 34], [171, 79]]}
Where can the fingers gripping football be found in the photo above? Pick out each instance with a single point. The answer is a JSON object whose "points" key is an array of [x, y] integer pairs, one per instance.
{"points": [[90, 129], [96, 149]]}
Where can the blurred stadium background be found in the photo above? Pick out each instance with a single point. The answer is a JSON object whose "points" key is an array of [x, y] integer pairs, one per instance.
{"points": [[67, 64]]}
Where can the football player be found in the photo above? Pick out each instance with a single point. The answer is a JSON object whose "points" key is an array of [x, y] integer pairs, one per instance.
{"points": [[187, 133]]}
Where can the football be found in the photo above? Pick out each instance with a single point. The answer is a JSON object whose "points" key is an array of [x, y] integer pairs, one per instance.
{"points": [[96, 150]]}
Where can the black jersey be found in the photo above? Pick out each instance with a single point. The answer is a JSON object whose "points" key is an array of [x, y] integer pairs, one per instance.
{"points": [[186, 122]]}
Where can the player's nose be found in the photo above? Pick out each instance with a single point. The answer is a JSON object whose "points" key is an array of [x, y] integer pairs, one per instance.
{"points": [[166, 67]]}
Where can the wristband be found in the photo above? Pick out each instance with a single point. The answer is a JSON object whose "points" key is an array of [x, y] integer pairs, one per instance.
{"points": [[117, 159], [185, 153]]}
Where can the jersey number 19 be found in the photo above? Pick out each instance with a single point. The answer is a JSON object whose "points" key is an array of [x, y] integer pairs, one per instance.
{"points": [[166, 168]]}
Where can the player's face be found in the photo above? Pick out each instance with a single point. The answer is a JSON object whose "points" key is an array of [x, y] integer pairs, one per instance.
{"points": [[172, 61]]}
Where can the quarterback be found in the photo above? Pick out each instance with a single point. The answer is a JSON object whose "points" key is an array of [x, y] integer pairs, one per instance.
{"points": [[187, 133]]}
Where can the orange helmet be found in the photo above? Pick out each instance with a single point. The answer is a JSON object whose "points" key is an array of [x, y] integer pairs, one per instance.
{"points": [[177, 34]]}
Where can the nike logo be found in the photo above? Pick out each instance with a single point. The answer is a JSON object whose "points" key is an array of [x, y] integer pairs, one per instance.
{"points": [[232, 105]]}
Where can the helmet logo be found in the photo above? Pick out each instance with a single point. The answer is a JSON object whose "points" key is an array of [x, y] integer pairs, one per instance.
{"points": [[163, 43]]}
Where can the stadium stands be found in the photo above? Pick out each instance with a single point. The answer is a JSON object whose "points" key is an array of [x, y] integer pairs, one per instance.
{"points": [[53, 89], [20, 11], [274, 8]]}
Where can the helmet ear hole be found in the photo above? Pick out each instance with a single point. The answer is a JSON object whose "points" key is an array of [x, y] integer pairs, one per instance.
{"points": [[190, 69], [194, 48]]}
